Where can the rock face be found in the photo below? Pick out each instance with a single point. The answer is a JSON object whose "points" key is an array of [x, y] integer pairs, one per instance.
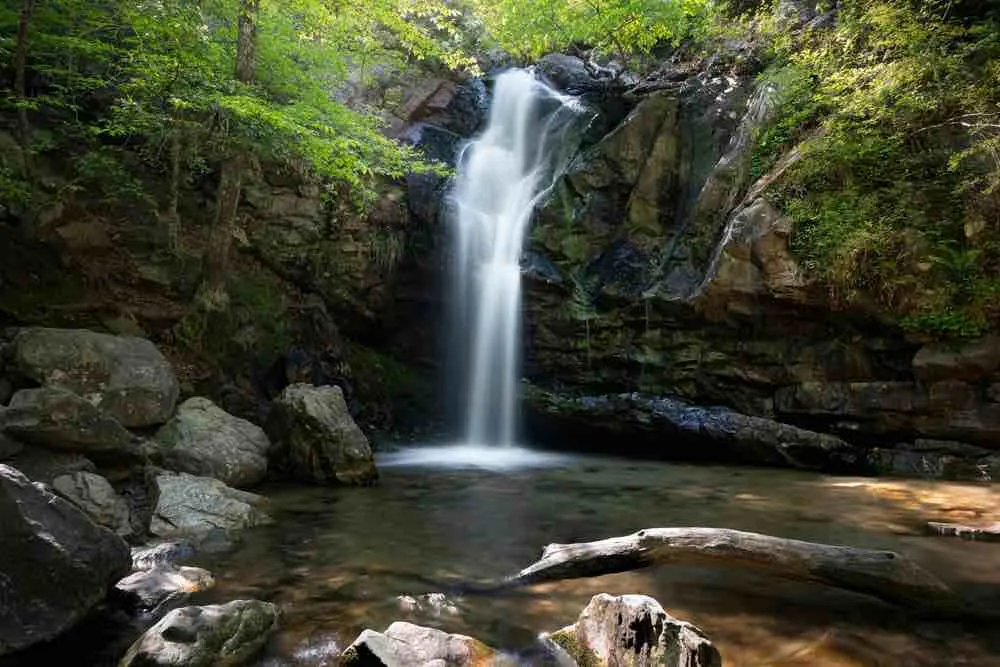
{"points": [[60, 420], [205, 440], [147, 590], [634, 631], [408, 644], [202, 508], [55, 564], [96, 497], [126, 377], [671, 429], [323, 443], [211, 636]]}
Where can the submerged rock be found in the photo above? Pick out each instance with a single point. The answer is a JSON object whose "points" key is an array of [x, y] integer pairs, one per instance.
{"points": [[97, 498], [224, 635], [204, 509], [126, 377], [55, 563], [406, 644], [60, 420], [147, 590], [323, 443], [164, 553], [202, 439], [634, 631]]}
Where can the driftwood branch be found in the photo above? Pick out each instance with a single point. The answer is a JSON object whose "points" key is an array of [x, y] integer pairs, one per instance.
{"points": [[885, 575]]}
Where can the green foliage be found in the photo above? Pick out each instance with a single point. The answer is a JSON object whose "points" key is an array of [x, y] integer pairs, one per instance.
{"points": [[135, 73], [896, 111], [622, 27]]}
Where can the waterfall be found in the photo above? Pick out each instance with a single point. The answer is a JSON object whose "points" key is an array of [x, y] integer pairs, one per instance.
{"points": [[501, 175]]}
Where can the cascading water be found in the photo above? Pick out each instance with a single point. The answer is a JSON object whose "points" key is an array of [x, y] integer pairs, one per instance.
{"points": [[501, 176]]}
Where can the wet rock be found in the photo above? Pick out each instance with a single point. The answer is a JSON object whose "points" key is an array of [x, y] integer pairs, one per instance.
{"points": [[204, 510], [211, 636], [60, 420], [969, 361], [978, 533], [634, 631], [164, 553], [323, 443], [436, 604], [55, 564], [148, 590], [97, 498], [408, 644], [126, 377], [202, 439], [937, 459], [570, 74], [672, 429]]}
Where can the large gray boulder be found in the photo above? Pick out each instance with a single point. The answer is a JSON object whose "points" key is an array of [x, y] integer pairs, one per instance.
{"points": [[60, 420], [323, 443], [126, 377], [97, 498], [45, 465], [223, 635], [203, 508], [203, 439], [634, 631], [55, 563], [406, 644]]}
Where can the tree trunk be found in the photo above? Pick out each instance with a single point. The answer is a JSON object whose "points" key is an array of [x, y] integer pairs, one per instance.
{"points": [[885, 575], [20, 83], [213, 294]]}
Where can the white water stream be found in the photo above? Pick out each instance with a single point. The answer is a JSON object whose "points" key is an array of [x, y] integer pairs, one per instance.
{"points": [[501, 177]]}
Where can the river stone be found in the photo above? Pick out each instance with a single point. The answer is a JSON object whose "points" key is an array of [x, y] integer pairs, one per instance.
{"points": [[405, 644], [55, 563], [58, 419], [96, 497], [126, 377], [211, 636], [324, 444], [165, 553], [634, 631], [147, 590], [44, 465], [202, 439], [202, 509]]}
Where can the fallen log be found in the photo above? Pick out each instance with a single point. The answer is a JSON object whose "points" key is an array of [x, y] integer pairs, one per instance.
{"points": [[885, 575]]}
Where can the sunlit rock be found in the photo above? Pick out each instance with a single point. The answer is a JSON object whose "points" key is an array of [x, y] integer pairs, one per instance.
{"points": [[224, 635], [405, 644], [634, 631]]}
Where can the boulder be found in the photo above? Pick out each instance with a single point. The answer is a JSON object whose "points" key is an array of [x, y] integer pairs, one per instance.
{"points": [[126, 377], [408, 644], [55, 563], [96, 497], [60, 420], [323, 443], [202, 439], [969, 361], [147, 590], [223, 635], [634, 631], [203, 508]]}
